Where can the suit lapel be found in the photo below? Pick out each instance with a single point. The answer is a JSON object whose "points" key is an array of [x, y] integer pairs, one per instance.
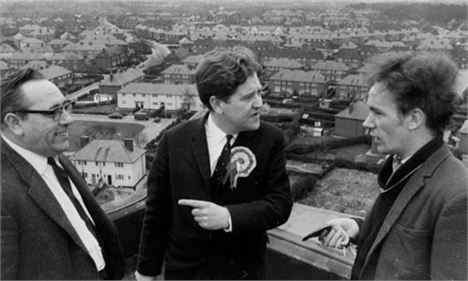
{"points": [[244, 139], [39, 191], [199, 149], [415, 183]]}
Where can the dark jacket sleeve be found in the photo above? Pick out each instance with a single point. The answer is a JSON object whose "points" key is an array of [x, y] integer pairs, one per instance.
{"points": [[274, 207], [449, 245], [157, 215]]}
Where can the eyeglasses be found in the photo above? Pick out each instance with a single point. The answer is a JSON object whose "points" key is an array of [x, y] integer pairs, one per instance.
{"points": [[56, 112]]}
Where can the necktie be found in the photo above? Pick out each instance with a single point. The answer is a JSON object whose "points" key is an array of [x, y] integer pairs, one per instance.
{"points": [[223, 161], [62, 177]]}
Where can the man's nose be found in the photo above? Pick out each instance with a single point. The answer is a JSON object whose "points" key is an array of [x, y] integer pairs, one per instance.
{"points": [[258, 103], [367, 122], [65, 117]]}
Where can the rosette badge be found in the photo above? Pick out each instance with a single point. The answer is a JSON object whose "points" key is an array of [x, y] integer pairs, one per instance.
{"points": [[242, 163]]}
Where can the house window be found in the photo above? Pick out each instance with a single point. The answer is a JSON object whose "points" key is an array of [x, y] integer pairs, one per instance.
{"points": [[118, 164], [97, 163], [119, 177], [104, 164]]}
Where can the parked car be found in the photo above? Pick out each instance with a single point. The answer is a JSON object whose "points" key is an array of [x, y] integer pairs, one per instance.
{"points": [[115, 115], [141, 115], [156, 120]]}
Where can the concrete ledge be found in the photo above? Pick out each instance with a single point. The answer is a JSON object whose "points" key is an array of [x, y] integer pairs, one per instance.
{"points": [[287, 240]]}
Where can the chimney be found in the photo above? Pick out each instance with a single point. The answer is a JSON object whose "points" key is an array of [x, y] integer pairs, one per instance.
{"points": [[128, 143], [351, 107], [84, 140]]}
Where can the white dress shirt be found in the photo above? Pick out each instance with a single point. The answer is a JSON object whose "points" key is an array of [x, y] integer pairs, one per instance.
{"points": [[215, 139], [46, 172]]}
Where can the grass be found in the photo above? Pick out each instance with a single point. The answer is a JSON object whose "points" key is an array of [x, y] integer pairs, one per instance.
{"points": [[126, 130], [346, 191], [109, 108]]}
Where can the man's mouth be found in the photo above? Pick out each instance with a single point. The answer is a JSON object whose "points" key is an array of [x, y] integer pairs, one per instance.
{"points": [[62, 134]]}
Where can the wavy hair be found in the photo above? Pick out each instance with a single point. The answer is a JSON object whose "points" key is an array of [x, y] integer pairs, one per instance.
{"points": [[222, 71], [424, 80]]}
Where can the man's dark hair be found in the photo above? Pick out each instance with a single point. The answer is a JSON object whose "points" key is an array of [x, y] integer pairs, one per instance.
{"points": [[11, 97], [424, 80], [222, 70]]}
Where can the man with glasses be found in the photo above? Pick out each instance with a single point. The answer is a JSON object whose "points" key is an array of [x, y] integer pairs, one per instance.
{"points": [[51, 226]]}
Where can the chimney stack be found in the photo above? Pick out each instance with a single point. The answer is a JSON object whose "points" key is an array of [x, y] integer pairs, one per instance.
{"points": [[84, 140], [128, 143]]}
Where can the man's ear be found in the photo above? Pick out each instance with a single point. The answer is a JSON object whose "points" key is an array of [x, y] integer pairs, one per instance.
{"points": [[416, 118], [216, 104], [14, 123]]}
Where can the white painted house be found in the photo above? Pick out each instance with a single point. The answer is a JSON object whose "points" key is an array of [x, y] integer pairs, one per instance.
{"points": [[112, 162], [153, 96]]}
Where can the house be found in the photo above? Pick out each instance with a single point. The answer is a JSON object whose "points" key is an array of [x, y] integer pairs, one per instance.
{"points": [[298, 81], [110, 58], [331, 70], [58, 44], [348, 122], [353, 86], [155, 95], [40, 32], [68, 61], [179, 74], [112, 83], [276, 64], [5, 70], [60, 76], [112, 162], [18, 59], [193, 61]]}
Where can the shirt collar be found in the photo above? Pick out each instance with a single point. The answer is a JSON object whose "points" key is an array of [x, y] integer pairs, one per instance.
{"points": [[38, 162], [213, 132]]}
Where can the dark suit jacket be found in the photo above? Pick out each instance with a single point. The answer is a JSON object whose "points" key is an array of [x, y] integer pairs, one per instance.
{"points": [[181, 169], [38, 242], [424, 235]]}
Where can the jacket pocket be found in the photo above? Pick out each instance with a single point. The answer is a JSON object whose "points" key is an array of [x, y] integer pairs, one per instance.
{"points": [[405, 254]]}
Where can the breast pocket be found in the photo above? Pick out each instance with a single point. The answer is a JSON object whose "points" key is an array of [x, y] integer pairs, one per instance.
{"points": [[406, 251]]}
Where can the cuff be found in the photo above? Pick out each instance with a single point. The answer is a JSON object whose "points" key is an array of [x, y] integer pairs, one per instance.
{"points": [[229, 227]]}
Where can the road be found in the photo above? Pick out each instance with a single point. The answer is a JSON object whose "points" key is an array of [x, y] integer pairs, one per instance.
{"points": [[150, 131], [83, 91]]}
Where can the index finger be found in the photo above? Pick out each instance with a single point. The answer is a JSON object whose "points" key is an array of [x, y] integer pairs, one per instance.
{"points": [[192, 203]]}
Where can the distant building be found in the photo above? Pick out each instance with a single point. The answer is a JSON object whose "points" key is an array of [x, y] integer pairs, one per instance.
{"points": [[115, 81], [110, 58], [353, 86], [154, 96], [298, 81], [69, 61], [18, 60], [193, 61], [112, 162], [179, 74], [276, 64], [60, 76], [331, 70], [348, 122]]}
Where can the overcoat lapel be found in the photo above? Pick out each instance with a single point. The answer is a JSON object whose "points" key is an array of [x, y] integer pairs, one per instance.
{"points": [[40, 192], [415, 183], [199, 148]]}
